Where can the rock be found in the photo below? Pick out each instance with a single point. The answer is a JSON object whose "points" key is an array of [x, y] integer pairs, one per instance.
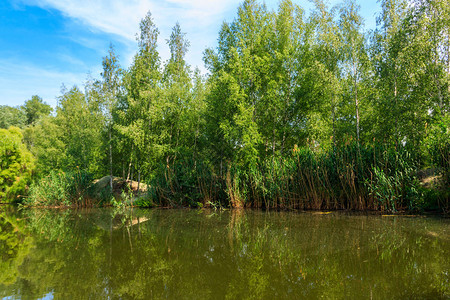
{"points": [[101, 186]]}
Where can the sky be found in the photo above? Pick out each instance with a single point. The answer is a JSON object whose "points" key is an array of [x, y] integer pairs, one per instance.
{"points": [[45, 44]]}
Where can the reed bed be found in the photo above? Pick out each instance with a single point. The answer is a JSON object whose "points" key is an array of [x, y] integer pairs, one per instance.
{"points": [[62, 189], [350, 177]]}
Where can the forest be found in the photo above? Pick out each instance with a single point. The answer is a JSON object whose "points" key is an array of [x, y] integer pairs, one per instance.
{"points": [[297, 110]]}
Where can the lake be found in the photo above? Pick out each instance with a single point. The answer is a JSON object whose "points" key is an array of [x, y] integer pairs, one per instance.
{"points": [[207, 254]]}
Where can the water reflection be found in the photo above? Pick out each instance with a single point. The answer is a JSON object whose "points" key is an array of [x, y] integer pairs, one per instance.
{"points": [[239, 254]]}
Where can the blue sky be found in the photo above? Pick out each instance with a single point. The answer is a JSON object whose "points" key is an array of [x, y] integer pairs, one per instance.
{"points": [[47, 43]]}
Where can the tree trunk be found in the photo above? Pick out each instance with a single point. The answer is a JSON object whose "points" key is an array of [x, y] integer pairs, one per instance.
{"points": [[139, 179], [396, 106], [273, 142], [130, 164], [334, 122], [110, 160], [436, 62], [129, 170], [448, 61], [356, 105], [131, 178]]}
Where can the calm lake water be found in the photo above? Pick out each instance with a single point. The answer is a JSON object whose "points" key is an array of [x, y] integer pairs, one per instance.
{"points": [[239, 254]]}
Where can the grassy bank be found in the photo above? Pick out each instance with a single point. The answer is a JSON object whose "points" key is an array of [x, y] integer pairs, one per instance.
{"points": [[79, 189], [62, 189], [352, 177]]}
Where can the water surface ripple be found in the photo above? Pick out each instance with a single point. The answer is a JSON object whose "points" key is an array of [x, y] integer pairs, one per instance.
{"points": [[238, 254]]}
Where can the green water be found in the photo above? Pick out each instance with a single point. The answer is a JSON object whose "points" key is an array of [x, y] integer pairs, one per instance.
{"points": [[193, 254]]}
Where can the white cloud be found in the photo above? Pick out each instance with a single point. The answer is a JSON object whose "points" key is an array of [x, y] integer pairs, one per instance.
{"points": [[200, 19], [72, 60], [19, 81], [122, 17], [116, 17]]}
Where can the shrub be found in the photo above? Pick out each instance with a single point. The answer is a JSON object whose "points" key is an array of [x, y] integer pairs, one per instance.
{"points": [[438, 145], [16, 165], [59, 188], [375, 177]]}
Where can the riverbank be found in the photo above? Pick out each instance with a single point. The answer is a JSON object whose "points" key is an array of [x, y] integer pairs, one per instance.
{"points": [[350, 178]]}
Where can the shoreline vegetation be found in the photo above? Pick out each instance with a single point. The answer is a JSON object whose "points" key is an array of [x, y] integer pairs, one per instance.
{"points": [[297, 111], [355, 178]]}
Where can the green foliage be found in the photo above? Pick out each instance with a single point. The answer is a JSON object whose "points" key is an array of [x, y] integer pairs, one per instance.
{"points": [[236, 254], [12, 116], [438, 145], [295, 112], [349, 177], [185, 182], [15, 245], [137, 117], [61, 189], [47, 144], [36, 108], [436, 199], [144, 202], [16, 165], [72, 138], [389, 191]]}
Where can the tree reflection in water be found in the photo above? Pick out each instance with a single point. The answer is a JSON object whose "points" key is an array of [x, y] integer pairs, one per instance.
{"points": [[238, 254]]}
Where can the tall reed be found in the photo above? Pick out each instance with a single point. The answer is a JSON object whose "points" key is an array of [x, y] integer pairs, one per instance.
{"points": [[61, 189], [351, 177]]}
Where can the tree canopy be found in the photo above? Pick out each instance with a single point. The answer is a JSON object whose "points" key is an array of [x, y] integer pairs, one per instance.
{"points": [[278, 81]]}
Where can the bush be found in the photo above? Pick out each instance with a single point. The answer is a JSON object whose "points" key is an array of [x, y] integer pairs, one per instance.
{"points": [[61, 189], [186, 182], [16, 165], [143, 202], [357, 177], [438, 145]]}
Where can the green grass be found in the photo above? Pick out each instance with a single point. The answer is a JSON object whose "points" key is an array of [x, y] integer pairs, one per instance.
{"points": [[351, 177], [61, 189]]}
